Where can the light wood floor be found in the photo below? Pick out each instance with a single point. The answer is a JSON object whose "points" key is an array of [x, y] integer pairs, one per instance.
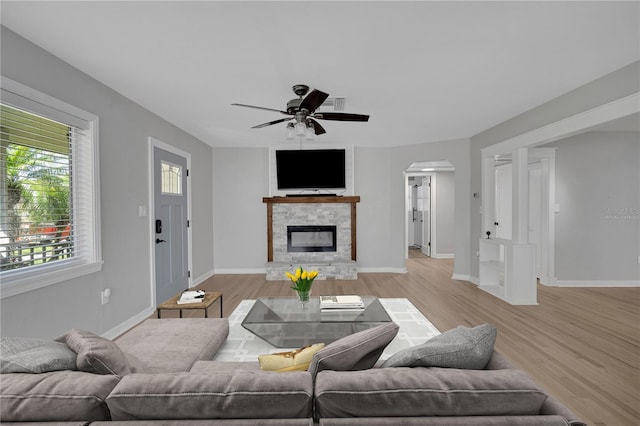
{"points": [[580, 344]]}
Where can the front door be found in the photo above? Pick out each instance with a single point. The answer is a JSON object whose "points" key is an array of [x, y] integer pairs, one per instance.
{"points": [[170, 224]]}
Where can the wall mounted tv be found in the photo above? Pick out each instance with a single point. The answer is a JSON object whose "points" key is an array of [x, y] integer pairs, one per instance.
{"points": [[311, 169]]}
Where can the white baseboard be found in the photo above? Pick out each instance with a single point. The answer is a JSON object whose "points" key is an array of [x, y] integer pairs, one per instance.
{"points": [[240, 271], [443, 256], [597, 283], [202, 278], [128, 324], [382, 270], [461, 277]]}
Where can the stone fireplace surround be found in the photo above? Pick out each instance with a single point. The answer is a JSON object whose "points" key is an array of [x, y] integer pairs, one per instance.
{"points": [[339, 211]]}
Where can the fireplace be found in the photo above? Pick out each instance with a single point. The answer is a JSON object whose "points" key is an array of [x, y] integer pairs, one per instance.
{"points": [[315, 233], [311, 238]]}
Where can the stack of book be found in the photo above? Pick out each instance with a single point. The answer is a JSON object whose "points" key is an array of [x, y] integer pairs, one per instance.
{"points": [[195, 296], [341, 303]]}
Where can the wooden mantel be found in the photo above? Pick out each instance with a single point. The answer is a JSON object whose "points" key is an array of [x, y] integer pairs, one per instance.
{"points": [[270, 201]]}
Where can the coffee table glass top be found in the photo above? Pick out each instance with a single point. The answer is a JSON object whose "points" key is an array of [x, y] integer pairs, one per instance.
{"points": [[283, 322]]}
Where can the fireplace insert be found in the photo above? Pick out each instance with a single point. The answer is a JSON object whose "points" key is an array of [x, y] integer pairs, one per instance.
{"points": [[311, 238]]}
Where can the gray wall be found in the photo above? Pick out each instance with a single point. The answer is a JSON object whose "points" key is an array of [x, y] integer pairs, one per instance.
{"points": [[240, 183], [598, 192], [445, 213], [124, 131], [613, 86]]}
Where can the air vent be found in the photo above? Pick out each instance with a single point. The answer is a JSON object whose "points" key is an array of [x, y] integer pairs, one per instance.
{"points": [[333, 104]]}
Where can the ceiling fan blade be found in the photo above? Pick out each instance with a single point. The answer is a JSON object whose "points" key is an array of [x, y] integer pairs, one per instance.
{"points": [[313, 100], [272, 122], [341, 116], [318, 129], [257, 107]]}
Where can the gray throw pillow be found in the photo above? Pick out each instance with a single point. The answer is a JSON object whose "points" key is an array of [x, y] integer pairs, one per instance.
{"points": [[461, 347], [358, 351], [27, 355], [96, 354]]}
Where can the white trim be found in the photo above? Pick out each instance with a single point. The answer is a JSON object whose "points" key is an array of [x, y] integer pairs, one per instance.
{"points": [[567, 127], [128, 324], [155, 143], [241, 271], [391, 270], [596, 283], [443, 256], [463, 277], [202, 278]]}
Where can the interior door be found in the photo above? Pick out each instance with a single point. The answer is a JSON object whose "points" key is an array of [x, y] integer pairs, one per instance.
{"points": [[171, 226], [503, 202]]}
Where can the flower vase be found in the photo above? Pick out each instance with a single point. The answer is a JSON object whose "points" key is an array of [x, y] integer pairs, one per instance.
{"points": [[304, 296]]}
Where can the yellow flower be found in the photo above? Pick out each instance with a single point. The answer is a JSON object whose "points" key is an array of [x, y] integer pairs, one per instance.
{"points": [[302, 279]]}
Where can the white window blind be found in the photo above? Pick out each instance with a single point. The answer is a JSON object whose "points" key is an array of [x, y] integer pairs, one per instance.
{"points": [[49, 222]]}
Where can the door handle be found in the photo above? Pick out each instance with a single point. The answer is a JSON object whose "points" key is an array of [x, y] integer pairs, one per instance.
{"points": [[158, 241]]}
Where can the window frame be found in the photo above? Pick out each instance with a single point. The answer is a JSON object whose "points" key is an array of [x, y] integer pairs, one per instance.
{"points": [[18, 281]]}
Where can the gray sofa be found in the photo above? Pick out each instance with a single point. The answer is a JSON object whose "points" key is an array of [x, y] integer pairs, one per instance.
{"points": [[161, 372]]}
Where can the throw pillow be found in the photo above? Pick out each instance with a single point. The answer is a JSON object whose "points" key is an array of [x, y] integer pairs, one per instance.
{"points": [[358, 351], [27, 355], [297, 360], [96, 354], [461, 347]]}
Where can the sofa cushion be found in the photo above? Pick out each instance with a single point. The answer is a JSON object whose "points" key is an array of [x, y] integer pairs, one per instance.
{"points": [[461, 347], [96, 354], [27, 355], [173, 345], [55, 396], [176, 396], [357, 351], [388, 392]]}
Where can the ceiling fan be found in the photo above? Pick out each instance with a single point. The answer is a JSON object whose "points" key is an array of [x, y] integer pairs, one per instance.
{"points": [[303, 110]]}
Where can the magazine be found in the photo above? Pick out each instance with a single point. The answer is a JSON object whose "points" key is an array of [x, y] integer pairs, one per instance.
{"points": [[341, 302], [195, 296]]}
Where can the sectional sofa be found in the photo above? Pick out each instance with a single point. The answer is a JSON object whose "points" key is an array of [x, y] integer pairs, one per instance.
{"points": [[161, 373]]}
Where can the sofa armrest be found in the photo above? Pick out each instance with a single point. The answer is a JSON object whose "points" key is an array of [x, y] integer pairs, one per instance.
{"points": [[173, 345], [554, 407]]}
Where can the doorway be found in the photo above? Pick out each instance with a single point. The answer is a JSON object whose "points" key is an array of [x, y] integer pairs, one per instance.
{"points": [[170, 227], [429, 207], [541, 181]]}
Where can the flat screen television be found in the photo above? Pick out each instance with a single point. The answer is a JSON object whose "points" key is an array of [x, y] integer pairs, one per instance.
{"points": [[310, 169]]}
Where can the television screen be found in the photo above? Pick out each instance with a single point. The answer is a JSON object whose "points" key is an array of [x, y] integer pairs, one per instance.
{"points": [[311, 169]]}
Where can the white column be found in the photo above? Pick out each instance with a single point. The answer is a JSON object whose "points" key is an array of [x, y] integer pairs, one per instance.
{"points": [[520, 197]]}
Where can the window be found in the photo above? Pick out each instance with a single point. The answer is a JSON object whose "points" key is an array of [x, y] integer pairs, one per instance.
{"points": [[171, 178], [49, 227]]}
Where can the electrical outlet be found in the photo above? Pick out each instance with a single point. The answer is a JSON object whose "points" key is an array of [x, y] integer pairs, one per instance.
{"points": [[104, 295]]}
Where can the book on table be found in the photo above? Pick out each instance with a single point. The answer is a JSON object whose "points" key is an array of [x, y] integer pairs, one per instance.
{"points": [[195, 296], [351, 302]]}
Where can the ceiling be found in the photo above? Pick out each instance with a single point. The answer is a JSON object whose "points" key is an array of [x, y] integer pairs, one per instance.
{"points": [[424, 71]]}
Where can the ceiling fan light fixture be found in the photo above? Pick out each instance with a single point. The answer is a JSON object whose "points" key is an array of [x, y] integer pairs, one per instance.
{"points": [[290, 131], [300, 129], [309, 131]]}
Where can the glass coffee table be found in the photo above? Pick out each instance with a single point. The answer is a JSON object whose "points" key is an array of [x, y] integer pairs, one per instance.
{"points": [[284, 323]]}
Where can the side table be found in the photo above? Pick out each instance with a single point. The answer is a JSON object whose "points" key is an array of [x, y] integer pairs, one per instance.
{"points": [[209, 299]]}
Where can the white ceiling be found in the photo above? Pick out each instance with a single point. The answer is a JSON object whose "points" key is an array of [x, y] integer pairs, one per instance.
{"points": [[425, 71]]}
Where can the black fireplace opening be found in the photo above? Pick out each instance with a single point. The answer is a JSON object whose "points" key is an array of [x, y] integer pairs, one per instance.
{"points": [[311, 238]]}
